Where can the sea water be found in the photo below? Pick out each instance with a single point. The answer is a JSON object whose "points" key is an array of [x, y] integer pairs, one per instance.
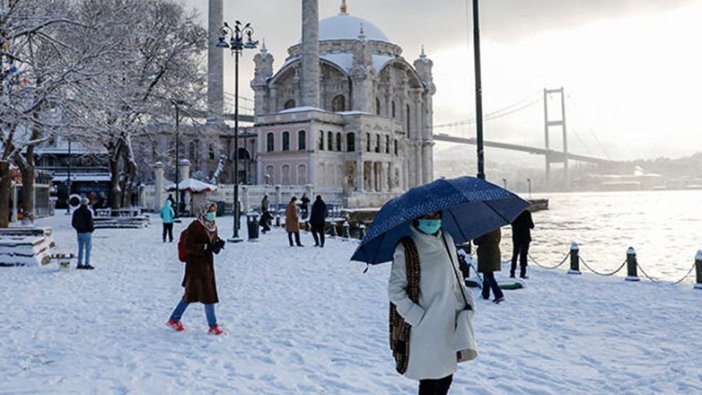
{"points": [[663, 227]]}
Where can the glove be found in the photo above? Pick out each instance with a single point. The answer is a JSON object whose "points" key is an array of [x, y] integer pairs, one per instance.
{"points": [[217, 246]]}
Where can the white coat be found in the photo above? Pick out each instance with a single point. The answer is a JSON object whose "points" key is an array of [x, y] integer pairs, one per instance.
{"points": [[433, 319]]}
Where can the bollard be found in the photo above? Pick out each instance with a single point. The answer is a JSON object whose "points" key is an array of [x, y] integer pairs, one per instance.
{"points": [[631, 265], [698, 268], [333, 229], [574, 259], [362, 231], [346, 230], [277, 218]]}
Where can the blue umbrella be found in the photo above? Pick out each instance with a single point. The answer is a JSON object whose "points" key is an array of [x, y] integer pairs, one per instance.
{"points": [[469, 207]]}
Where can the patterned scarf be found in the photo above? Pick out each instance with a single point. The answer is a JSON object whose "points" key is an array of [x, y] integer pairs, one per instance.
{"points": [[210, 227], [399, 328]]}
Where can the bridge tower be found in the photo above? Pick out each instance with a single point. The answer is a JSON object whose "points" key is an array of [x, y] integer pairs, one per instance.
{"points": [[556, 123]]}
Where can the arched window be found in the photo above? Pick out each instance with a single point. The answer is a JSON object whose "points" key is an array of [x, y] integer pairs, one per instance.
{"points": [[330, 141], [377, 143], [211, 151], [270, 142], [286, 141], [396, 147], [407, 120], [377, 106], [339, 103], [350, 142], [301, 174], [387, 144], [338, 141], [321, 140], [289, 104], [301, 140], [243, 154], [368, 142], [393, 110], [285, 177], [193, 148]]}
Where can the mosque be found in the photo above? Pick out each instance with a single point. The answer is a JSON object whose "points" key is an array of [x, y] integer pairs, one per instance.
{"points": [[344, 112]]}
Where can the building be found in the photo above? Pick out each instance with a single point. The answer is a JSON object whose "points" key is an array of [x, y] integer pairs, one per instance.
{"points": [[344, 112]]}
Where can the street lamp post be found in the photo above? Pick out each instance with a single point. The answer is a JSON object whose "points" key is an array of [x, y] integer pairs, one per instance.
{"points": [[177, 157], [68, 181], [478, 92], [236, 44], [529, 183]]}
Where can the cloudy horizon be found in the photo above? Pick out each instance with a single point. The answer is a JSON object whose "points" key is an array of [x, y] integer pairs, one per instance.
{"points": [[629, 67]]}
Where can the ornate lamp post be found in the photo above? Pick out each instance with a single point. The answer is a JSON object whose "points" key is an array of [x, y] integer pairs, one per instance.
{"points": [[68, 181], [236, 44]]}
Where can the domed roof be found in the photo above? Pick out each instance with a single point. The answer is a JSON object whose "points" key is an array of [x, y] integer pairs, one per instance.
{"points": [[348, 27]]}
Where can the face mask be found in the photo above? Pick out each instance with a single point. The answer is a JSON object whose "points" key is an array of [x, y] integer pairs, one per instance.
{"points": [[211, 216], [429, 226]]}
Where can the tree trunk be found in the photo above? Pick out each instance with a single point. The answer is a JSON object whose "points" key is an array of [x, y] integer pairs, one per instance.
{"points": [[28, 193], [5, 191], [115, 190]]}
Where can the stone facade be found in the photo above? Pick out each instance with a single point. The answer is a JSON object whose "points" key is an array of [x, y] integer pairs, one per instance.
{"points": [[364, 126]]}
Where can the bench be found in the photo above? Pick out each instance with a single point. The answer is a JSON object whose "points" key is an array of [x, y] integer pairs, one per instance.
{"points": [[63, 258], [25, 246], [128, 218]]}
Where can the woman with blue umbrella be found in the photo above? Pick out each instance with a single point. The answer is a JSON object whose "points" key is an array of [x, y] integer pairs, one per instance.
{"points": [[423, 261]]}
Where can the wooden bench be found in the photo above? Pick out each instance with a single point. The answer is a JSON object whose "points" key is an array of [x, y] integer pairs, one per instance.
{"points": [[22, 246]]}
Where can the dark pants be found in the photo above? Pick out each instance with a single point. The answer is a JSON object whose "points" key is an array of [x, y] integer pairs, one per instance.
{"points": [[520, 248], [168, 229], [435, 387], [318, 234], [489, 283], [297, 238]]}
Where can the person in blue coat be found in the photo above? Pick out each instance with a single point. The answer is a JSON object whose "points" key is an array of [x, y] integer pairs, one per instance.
{"points": [[167, 215]]}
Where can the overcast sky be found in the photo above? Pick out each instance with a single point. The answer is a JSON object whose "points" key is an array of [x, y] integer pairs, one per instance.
{"points": [[631, 68]]}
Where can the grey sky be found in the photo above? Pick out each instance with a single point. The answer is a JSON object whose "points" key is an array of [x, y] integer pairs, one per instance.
{"points": [[628, 65]]}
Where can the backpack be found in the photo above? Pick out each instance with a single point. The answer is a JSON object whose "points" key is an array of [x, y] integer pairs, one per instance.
{"points": [[181, 245], [399, 328]]}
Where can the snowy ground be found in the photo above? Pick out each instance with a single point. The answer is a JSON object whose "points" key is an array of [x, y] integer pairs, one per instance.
{"points": [[308, 321]]}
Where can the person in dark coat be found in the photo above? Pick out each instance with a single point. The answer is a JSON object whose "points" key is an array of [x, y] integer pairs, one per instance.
{"points": [[304, 205], [292, 222], [521, 237], [489, 262], [200, 243], [264, 204], [82, 222], [317, 220], [265, 222]]}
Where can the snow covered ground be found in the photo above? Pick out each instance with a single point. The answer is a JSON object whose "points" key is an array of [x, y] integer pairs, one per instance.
{"points": [[308, 321]]}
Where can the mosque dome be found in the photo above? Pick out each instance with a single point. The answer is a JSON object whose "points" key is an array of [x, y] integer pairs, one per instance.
{"points": [[348, 27]]}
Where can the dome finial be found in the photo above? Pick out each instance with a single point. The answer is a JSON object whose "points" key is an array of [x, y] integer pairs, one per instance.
{"points": [[344, 7], [264, 50], [423, 54], [361, 34]]}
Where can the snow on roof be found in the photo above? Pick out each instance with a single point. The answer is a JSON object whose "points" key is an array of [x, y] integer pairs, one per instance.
{"points": [[81, 177], [193, 185], [299, 109], [348, 27]]}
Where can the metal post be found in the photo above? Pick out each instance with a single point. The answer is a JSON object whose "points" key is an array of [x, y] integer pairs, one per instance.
{"points": [[68, 181], [574, 259], [631, 265], [529, 182], [333, 229], [478, 92], [347, 234], [235, 210], [177, 159], [698, 268], [362, 231]]}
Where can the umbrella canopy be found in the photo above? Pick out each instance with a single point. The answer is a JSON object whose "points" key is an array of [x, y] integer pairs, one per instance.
{"points": [[469, 207], [192, 185]]}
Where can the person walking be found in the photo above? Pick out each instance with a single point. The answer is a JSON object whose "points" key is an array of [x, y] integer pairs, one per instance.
{"points": [[425, 291], [521, 237], [489, 262], [82, 222], [200, 242], [292, 222], [304, 205], [167, 214], [317, 220], [264, 204]]}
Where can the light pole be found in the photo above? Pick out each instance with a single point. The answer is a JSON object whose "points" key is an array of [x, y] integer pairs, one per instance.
{"points": [[478, 92], [529, 183], [504, 182], [236, 44], [68, 181], [177, 155]]}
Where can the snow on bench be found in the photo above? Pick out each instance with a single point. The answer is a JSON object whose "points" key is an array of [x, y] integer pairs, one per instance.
{"points": [[25, 246], [128, 218]]}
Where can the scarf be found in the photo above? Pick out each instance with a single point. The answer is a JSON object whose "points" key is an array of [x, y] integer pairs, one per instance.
{"points": [[210, 227], [399, 328]]}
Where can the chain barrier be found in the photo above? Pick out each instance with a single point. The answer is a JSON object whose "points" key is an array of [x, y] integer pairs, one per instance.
{"points": [[602, 274], [685, 276], [549, 267], [653, 280]]}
